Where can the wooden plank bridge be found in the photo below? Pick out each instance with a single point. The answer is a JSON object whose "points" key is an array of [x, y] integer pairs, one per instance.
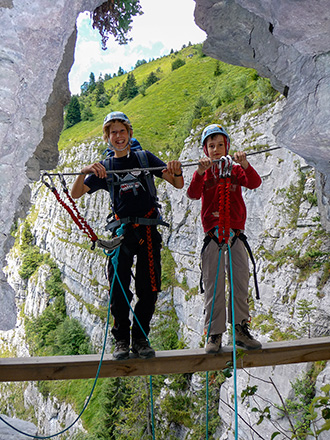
{"points": [[165, 362]]}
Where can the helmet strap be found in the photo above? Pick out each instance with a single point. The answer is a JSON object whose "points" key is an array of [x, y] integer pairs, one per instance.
{"points": [[122, 149]]}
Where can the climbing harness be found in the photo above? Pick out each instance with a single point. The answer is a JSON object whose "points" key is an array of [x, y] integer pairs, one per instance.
{"points": [[239, 234], [144, 164], [211, 235], [222, 234]]}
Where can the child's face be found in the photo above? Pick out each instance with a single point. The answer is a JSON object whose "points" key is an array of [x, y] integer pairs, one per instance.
{"points": [[119, 138], [216, 146]]}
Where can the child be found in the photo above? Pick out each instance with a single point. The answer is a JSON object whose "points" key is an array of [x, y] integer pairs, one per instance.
{"points": [[132, 202], [204, 184]]}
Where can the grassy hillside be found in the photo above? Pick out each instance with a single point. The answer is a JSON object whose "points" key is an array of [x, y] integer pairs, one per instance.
{"points": [[202, 90]]}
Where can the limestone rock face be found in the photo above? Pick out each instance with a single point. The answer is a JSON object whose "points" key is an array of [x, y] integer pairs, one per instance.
{"points": [[7, 433], [36, 54], [283, 230], [288, 42]]}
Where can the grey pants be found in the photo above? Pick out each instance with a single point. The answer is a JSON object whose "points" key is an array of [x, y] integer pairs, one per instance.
{"points": [[240, 266]]}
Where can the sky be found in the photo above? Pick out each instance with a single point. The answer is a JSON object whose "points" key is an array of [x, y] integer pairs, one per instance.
{"points": [[165, 25]]}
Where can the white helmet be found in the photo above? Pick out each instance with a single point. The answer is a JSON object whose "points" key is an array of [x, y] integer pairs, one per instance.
{"points": [[117, 116]]}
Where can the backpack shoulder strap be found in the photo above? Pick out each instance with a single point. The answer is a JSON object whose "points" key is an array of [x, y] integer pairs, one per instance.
{"points": [[108, 164], [144, 163]]}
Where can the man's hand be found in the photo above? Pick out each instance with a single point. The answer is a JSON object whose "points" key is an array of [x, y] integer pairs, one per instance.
{"points": [[173, 167], [97, 168]]}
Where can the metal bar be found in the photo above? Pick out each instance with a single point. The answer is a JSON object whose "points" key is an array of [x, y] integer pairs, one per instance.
{"points": [[188, 164]]}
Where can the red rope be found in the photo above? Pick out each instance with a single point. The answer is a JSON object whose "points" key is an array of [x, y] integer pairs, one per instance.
{"points": [[227, 209], [85, 226], [221, 224], [224, 209], [76, 216], [151, 260]]}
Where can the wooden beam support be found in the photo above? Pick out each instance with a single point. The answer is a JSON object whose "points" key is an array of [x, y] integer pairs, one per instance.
{"points": [[165, 362]]}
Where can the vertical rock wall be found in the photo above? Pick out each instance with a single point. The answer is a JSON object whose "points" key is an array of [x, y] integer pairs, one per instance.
{"points": [[288, 42], [36, 54]]}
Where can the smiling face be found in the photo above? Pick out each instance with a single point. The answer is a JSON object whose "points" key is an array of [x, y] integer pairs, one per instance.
{"points": [[119, 137], [216, 146]]}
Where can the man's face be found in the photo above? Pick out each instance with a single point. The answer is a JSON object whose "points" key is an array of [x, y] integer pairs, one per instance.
{"points": [[119, 137]]}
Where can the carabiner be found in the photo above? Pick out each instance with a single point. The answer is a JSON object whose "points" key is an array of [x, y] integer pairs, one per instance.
{"points": [[63, 182], [229, 166], [50, 185], [222, 166]]}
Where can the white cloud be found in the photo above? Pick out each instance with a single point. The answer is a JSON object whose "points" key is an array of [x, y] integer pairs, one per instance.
{"points": [[163, 26]]}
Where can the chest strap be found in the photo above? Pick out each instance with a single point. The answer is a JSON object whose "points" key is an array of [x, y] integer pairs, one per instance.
{"points": [[146, 220]]}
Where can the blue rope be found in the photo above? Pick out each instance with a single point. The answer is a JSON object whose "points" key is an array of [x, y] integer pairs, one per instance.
{"points": [[207, 336], [114, 260], [234, 340], [90, 395]]}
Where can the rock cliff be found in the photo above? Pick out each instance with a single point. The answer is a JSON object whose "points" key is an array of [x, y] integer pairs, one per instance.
{"points": [[288, 42], [37, 52], [283, 229], [285, 41]]}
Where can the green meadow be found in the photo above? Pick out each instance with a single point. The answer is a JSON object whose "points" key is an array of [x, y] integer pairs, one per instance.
{"points": [[201, 91]]}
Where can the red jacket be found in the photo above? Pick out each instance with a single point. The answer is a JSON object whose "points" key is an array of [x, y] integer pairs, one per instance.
{"points": [[206, 187]]}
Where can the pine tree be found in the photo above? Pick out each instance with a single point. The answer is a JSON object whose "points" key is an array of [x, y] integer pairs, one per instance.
{"points": [[129, 89], [151, 79], [73, 115], [92, 82]]}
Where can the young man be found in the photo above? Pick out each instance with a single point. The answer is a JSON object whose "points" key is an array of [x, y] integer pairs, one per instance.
{"points": [[204, 185], [136, 207]]}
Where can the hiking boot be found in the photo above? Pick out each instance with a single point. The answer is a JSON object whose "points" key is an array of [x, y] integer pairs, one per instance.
{"points": [[244, 337], [121, 350], [142, 348], [213, 343]]}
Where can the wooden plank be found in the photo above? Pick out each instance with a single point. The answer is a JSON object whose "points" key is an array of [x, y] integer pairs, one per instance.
{"points": [[165, 362]]}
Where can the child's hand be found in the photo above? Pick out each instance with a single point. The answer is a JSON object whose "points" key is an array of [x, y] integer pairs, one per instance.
{"points": [[204, 164], [97, 168], [240, 158]]}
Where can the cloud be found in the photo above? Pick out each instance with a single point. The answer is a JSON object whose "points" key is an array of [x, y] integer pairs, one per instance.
{"points": [[163, 26]]}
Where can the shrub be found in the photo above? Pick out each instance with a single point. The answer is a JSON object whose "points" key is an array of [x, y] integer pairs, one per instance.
{"points": [[178, 63], [32, 259], [70, 338], [151, 79], [248, 103], [218, 71]]}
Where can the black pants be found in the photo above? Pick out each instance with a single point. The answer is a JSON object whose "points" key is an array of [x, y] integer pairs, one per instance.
{"points": [[135, 243]]}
